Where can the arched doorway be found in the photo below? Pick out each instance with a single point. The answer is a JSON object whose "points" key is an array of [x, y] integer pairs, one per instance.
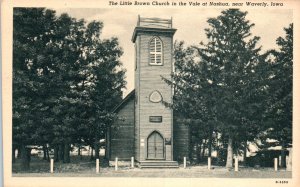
{"points": [[155, 146]]}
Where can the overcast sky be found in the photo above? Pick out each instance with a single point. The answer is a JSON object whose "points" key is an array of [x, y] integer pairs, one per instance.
{"points": [[190, 25]]}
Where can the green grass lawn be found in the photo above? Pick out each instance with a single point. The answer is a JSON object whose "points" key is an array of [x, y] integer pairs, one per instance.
{"points": [[86, 168]]}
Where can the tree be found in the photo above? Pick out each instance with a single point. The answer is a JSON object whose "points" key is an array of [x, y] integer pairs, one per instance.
{"points": [[230, 59], [280, 93], [188, 102], [105, 82], [216, 83], [30, 28], [66, 81]]}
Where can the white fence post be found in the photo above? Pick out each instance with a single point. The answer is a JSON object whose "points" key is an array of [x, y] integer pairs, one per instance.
{"points": [[132, 162], [236, 164], [184, 162], [275, 164], [51, 165], [208, 163], [97, 165], [116, 164]]}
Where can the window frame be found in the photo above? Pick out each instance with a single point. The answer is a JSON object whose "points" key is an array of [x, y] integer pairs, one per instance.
{"points": [[155, 38]]}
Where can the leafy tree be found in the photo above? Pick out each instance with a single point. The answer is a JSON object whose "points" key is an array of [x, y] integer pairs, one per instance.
{"points": [[229, 60], [216, 83], [189, 101], [105, 82], [280, 93], [30, 28], [66, 81]]}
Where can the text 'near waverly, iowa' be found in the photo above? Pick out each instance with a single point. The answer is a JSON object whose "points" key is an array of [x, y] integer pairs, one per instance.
{"points": [[194, 3]]}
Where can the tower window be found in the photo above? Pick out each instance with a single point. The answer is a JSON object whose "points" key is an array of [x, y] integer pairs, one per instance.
{"points": [[156, 51]]}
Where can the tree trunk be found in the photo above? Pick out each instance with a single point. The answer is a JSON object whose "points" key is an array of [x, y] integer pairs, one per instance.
{"points": [[283, 156], [28, 152], [204, 147], [218, 149], [79, 153], [97, 150], [97, 144], [107, 144], [198, 152], [229, 154], [67, 153], [190, 152], [92, 154], [13, 154], [209, 144], [61, 152], [245, 153], [45, 152], [25, 158], [210, 139], [56, 159]]}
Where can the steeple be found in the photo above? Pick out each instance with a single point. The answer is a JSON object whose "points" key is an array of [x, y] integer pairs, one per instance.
{"points": [[153, 39]]}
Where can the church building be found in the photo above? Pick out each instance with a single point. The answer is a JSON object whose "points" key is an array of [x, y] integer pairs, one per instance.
{"points": [[145, 128]]}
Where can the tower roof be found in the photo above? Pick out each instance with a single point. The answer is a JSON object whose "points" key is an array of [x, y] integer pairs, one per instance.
{"points": [[153, 25]]}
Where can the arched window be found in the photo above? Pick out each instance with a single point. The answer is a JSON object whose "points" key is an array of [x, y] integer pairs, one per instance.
{"points": [[156, 51]]}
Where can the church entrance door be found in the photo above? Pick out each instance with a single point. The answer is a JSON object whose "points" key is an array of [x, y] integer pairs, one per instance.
{"points": [[155, 149]]}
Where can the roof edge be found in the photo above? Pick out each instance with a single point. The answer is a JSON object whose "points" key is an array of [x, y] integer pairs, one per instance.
{"points": [[151, 29], [127, 98]]}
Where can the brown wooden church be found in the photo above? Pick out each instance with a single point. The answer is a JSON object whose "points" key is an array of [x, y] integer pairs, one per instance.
{"points": [[145, 128]]}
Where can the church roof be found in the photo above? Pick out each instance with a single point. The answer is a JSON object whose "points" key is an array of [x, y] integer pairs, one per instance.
{"points": [[124, 101]]}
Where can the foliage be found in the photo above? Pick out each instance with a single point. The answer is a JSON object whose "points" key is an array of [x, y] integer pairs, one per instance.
{"points": [[66, 79], [221, 85], [280, 110]]}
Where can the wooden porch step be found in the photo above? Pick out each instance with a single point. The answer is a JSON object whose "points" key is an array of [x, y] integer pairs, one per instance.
{"points": [[158, 164]]}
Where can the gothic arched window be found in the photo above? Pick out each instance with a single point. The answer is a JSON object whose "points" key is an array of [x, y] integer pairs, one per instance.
{"points": [[156, 49]]}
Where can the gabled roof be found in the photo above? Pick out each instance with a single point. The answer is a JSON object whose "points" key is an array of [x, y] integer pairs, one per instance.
{"points": [[124, 101]]}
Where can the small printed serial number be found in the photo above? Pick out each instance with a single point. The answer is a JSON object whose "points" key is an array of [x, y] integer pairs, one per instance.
{"points": [[281, 182]]}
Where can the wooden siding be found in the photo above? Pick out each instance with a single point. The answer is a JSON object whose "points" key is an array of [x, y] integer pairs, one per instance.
{"points": [[137, 106], [122, 133], [148, 79]]}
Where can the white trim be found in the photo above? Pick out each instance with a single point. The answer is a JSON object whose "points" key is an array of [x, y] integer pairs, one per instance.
{"points": [[157, 41]]}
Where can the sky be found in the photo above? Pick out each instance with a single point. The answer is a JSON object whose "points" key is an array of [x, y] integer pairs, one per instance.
{"points": [[190, 25]]}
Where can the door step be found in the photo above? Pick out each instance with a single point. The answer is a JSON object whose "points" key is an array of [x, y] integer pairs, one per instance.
{"points": [[158, 164]]}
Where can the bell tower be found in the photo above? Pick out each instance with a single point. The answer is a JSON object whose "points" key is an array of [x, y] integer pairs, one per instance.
{"points": [[153, 40]]}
